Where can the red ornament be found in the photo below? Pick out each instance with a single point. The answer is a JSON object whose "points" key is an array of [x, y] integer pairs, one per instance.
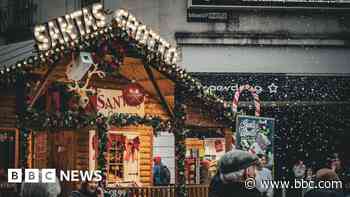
{"points": [[133, 94]]}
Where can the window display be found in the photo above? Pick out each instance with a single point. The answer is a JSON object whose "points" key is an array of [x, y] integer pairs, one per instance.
{"points": [[123, 158]]}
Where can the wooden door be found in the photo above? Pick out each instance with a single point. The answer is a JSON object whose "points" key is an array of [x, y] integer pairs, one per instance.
{"points": [[41, 150], [62, 155]]}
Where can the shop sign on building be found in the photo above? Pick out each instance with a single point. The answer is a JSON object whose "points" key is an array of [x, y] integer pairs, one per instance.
{"points": [[89, 22], [112, 101]]}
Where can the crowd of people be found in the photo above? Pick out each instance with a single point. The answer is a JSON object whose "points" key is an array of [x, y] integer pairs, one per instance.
{"points": [[234, 169]]}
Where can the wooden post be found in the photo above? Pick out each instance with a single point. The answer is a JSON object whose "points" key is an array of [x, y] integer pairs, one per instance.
{"points": [[22, 152], [179, 133]]}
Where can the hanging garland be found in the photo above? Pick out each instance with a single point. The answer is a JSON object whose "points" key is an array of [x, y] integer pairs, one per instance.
{"points": [[24, 134], [42, 121], [102, 132], [180, 135]]}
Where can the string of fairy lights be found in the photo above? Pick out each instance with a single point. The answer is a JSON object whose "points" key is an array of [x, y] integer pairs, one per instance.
{"points": [[152, 55]]}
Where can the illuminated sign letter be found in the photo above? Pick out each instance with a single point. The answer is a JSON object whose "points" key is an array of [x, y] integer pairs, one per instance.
{"points": [[131, 25], [97, 11], [121, 17], [152, 40], [55, 34], [171, 56], [67, 28], [89, 21], [141, 34], [77, 17], [41, 37]]}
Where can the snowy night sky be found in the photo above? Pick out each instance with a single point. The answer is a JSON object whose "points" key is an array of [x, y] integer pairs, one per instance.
{"points": [[311, 132]]}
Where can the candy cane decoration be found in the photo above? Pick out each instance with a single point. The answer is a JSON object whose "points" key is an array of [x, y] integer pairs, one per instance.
{"points": [[252, 90]]}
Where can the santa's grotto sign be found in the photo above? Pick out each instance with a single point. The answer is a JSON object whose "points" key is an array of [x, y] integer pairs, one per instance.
{"points": [[255, 134]]}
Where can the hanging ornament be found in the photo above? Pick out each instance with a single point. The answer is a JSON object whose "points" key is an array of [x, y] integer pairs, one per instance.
{"points": [[133, 94]]}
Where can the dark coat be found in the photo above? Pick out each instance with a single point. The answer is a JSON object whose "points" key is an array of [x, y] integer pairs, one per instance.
{"points": [[219, 189], [82, 194], [324, 193]]}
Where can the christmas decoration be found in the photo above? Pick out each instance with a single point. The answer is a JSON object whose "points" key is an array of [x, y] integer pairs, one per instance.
{"points": [[77, 68], [252, 90], [117, 36], [133, 94], [179, 134], [102, 154], [132, 146], [83, 91]]}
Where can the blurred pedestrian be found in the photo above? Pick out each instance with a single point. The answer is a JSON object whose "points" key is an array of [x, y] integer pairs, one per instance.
{"points": [[235, 169], [263, 174], [326, 175], [88, 189], [336, 166], [299, 170], [40, 189], [309, 174], [161, 173], [204, 172]]}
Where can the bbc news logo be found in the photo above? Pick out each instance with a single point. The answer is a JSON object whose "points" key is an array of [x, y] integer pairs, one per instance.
{"points": [[51, 175]]}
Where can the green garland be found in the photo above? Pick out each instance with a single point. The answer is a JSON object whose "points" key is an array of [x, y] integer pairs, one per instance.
{"points": [[24, 134], [180, 137], [43, 121], [102, 133]]}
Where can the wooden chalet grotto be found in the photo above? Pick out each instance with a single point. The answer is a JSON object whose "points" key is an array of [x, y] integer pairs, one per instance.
{"points": [[96, 93]]}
